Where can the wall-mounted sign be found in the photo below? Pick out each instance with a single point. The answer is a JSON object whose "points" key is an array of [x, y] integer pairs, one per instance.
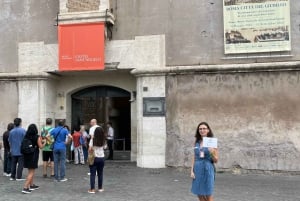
{"points": [[81, 47], [252, 26], [154, 106]]}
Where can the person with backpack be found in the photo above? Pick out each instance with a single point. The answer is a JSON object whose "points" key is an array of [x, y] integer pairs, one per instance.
{"points": [[15, 139], [31, 144], [86, 138], [62, 137], [47, 151], [78, 142]]}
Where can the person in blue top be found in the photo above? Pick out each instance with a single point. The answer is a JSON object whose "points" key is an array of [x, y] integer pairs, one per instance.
{"points": [[203, 171], [61, 138], [15, 139]]}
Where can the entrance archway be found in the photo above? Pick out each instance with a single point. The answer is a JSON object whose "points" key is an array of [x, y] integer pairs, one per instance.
{"points": [[104, 103]]}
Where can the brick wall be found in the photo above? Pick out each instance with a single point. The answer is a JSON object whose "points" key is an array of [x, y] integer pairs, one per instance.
{"points": [[82, 5]]}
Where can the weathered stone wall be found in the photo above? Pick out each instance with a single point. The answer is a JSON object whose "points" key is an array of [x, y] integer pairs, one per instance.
{"points": [[82, 5], [255, 116], [25, 21], [193, 29], [9, 103]]}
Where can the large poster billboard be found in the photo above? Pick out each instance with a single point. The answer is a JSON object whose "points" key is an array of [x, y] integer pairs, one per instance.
{"points": [[252, 26], [81, 47]]}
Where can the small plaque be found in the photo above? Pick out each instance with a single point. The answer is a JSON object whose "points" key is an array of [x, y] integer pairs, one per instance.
{"points": [[154, 106]]}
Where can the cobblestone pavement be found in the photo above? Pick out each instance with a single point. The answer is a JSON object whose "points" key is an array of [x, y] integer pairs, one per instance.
{"points": [[123, 181]]}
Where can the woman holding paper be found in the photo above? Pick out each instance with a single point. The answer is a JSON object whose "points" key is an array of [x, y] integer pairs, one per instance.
{"points": [[202, 170]]}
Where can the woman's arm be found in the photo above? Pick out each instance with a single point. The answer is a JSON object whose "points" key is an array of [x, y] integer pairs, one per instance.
{"points": [[192, 168], [91, 145], [40, 143]]}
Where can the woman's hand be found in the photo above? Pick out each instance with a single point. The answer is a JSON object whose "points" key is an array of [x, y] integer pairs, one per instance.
{"points": [[214, 154], [193, 175]]}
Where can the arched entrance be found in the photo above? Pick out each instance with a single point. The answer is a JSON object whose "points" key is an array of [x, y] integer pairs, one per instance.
{"points": [[104, 103]]}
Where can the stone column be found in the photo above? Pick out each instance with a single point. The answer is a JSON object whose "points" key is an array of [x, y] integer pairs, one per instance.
{"points": [[151, 131]]}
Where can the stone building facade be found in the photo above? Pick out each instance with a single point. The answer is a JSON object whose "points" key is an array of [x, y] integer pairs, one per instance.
{"points": [[171, 50]]}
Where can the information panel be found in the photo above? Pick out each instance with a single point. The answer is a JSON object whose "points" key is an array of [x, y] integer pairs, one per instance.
{"points": [[252, 26]]}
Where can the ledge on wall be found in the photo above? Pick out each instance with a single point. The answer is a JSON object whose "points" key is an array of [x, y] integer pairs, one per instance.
{"points": [[86, 17], [220, 68]]}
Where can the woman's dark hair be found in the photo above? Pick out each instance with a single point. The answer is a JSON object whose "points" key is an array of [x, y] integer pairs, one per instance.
{"points": [[99, 137], [198, 136], [10, 126], [31, 131]]}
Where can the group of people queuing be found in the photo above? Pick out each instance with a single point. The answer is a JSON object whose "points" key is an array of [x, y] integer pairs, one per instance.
{"points": [[54, 143]]}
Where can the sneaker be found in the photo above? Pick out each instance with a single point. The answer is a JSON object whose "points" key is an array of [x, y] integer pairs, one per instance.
{"points": [[33, 187], [26, 191], [8, 174], [20, 179], [12, 179], [91, 191], [90, 173], [64, 179], [101, 190]]}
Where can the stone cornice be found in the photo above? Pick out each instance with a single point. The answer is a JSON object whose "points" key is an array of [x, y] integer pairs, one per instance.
{"points": [[27, 76], [86, 17], [220, 68]]}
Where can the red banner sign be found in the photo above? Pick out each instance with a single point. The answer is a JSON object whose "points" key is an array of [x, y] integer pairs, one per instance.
{"points": [[81, 47]]}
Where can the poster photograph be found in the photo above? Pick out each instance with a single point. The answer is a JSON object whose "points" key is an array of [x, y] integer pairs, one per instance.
{"points": [[253, 26]]}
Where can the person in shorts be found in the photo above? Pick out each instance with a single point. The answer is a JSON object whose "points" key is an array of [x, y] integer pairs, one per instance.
{"points": [[47, 152]]}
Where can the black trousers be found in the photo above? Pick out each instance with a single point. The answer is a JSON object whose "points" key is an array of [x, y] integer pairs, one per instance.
{"points": [[17, 163], [111, 151]]}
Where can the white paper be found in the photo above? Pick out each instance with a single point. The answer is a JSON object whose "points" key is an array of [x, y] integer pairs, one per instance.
{"points": [[211, 142]]}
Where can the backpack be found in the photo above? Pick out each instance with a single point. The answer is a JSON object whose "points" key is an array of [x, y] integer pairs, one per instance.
{"points": [[27, 147], [81, 140]]}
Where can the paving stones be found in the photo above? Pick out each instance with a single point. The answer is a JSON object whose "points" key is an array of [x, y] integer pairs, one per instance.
{"points": [[123, 181]]}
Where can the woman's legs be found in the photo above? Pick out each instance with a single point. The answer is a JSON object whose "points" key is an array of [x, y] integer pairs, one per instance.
{"points": [[205, 198], [100, 166], [92, 176], [29, 179]]}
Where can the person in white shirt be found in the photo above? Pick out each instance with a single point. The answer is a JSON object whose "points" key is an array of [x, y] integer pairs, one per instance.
{"points": [[110, 140], [94, 125]]}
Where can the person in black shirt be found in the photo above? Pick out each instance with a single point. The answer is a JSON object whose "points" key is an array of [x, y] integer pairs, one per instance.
{"points": [[7, 157]]}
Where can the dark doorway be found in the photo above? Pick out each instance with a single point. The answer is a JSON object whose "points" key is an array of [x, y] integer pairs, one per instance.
{"points": [[104, 103]]}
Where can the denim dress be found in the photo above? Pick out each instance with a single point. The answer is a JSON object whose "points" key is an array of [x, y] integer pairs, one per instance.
{"points": [[203, 184]]}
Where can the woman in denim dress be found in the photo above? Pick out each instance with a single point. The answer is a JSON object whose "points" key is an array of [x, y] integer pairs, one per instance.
{"points": [[203, 171]]}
